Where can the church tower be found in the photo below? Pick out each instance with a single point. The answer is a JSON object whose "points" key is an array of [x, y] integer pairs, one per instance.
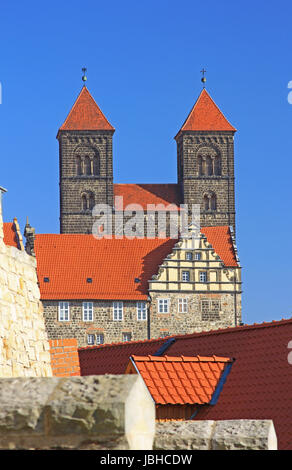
{"points": [[205, 162], [86, 164]]}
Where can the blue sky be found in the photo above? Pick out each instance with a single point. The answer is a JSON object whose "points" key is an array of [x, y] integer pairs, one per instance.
{"points": [[144, 61]]}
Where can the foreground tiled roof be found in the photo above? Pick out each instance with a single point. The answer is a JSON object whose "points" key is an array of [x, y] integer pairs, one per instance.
{"points": [[258, 386], [180, 380], [86, 115], [206, 116], [10, 237], [68, 260], [144, 194]]}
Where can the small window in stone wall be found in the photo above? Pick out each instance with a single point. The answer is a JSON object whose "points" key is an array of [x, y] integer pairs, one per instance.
{"points": [[99, 339], [87, 311], [64, 312], [90, 339], [141, 311], [118, 311], [163, 305], [210, 309], [127, 336], [163, 334], [182, 305]]}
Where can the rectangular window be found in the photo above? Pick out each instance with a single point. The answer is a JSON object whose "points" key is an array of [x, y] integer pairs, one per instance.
{"points": [[87, 311], [182, 305], [141, 311], [185, 276], [90, 339], [197, 256], [163, 305], [203, 276], [118, 311], [99, 339], [64, 313], [189, 256], [127, 336]]}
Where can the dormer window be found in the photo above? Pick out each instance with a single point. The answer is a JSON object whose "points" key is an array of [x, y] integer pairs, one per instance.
{"points": [[189, 256]]}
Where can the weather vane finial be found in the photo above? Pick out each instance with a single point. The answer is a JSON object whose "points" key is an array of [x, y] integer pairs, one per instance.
{"points": [[203, 79], [84, 78]]}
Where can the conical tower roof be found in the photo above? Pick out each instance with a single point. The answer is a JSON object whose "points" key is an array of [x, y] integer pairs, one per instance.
{"points": [[85, 115], [206, 116]]}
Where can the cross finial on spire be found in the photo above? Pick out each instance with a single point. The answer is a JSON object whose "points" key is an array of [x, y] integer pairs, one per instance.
{"points": [[84, 78], [203, 79]]}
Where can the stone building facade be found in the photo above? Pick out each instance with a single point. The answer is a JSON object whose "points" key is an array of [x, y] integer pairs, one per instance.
{"points": [[104, 291]]}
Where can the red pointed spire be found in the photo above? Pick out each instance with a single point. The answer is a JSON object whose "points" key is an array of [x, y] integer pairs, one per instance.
{"points": [[206, 116], [85, 115]]}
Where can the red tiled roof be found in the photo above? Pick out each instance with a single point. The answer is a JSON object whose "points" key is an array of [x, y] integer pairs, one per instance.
{"points": [[69, 259], [180, 380], [10, 237], [86, 115], [258, 386], [144, 194], [206, 116], [221, 241]]}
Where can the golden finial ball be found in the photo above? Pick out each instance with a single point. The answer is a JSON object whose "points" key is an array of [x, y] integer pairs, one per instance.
{"points": [[203, 79]]}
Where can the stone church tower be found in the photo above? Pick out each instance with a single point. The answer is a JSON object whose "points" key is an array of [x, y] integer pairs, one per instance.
{"points": [[86, 164], [205, 162], [205, 167]]}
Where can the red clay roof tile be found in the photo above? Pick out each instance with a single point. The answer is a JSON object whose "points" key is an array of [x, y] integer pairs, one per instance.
{"points": [[10, 237], [85, 115], [206, 116], [184, 387]]}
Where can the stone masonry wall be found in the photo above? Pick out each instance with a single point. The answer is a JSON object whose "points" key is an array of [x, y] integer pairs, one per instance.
{"points": [[24, 346], [102, 324], [205, 312]]}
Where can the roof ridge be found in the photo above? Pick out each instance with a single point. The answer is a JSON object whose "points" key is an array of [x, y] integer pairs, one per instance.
{"points": [[199, 333]]}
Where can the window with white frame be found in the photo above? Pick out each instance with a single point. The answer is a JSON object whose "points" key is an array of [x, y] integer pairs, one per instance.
{"points": [[99, 338], [118, 311], [203, 276], [87, 311], [189, 256], [90, 339], [198, 256], [185, 276], [163, 305], [182, 305], [141, 311], [64, 312], [127, 336]]}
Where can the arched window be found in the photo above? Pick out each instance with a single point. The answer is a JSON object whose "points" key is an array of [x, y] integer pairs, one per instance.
{"points": [[87, 166], [78, 165], [90, 201], [217, 166], [213, 202], [200, 165], [206, 202], [84, 202], [209, 166], [95, 165], [209, 162], [210, 201]]}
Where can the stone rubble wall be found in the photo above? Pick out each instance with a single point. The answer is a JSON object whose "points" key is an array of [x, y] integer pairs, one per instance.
{"points": [[24, 346], [241, 434]]}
